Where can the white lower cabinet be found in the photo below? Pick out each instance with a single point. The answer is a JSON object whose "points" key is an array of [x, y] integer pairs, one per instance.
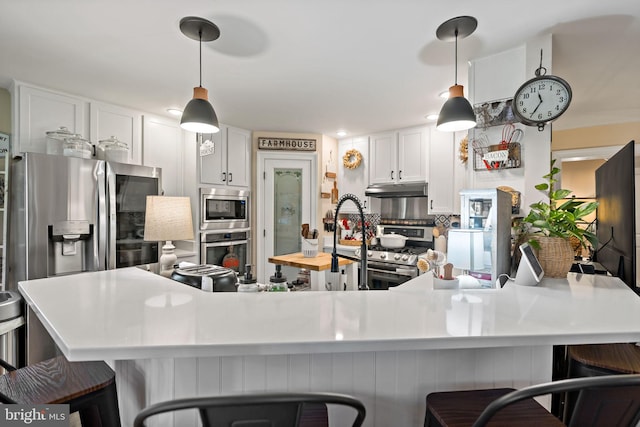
{"points": [[354, 180], [230, 162]]}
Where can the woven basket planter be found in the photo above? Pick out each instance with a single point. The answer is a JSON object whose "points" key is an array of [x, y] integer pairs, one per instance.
{"points": [[555, 255]]}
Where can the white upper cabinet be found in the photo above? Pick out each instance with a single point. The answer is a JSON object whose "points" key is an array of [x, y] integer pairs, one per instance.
{"points": [[163, 148], [230, 162], [125, 124], [384, 158], [400, 156], [38, 110], [354, 180], [442, 194]]}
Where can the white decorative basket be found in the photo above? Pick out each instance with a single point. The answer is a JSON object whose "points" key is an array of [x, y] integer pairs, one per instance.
{"points": [[310, 248]]}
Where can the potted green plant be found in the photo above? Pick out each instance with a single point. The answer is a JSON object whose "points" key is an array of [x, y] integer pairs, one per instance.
{"points": [[552, 224]]}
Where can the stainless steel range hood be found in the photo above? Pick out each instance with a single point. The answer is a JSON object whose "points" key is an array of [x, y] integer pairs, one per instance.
{"points": [[411, 189]]}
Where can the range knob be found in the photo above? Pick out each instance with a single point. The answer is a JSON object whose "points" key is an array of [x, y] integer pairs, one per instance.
{"points": [[405, 257], [369, 254], [397, 256], [357, 252], [383, 255]]}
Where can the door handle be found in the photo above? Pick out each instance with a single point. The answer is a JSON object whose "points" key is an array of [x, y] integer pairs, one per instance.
{"points": [[431, 204], [392, 174], [230, 176], [399, 174], [224, 176]]}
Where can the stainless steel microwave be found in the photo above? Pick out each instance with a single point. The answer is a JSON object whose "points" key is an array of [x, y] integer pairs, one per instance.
{"points": [[222, 209]]}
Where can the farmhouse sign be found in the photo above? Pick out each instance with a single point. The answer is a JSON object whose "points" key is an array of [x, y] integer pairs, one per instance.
{"points": [[293, 144]]}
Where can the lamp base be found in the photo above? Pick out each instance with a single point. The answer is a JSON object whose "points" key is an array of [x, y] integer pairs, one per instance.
{"points": [[168, 259]]}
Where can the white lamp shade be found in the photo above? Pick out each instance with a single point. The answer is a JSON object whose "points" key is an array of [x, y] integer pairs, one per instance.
{"points": [[465, 249], [168, 218]]}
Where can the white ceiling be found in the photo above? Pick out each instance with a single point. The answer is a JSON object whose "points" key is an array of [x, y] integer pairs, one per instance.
{"points": [[315, 65]]}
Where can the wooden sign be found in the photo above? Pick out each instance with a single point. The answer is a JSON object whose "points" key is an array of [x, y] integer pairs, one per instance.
{"points": [[291, 144]]}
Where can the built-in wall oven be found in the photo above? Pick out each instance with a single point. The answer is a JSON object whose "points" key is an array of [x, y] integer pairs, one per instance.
{"points": [[225, 234], [227, 248], [224, 209]]}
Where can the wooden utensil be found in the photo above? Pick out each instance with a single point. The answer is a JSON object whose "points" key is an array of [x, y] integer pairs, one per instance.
{"points": [[448, 269]]}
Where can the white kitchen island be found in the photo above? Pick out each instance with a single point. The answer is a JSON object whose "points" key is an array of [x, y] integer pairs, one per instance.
{"points": [[387, 348]]}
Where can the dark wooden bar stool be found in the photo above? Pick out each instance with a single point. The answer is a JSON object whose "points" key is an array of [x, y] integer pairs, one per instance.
{"points": [[599, 359], [462, 408], [87, 387]]}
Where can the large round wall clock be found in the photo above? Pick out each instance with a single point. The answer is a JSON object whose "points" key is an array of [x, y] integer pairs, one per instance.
{"points": [[541, 100]]}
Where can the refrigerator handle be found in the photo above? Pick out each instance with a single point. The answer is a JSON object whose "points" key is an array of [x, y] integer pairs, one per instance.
{"points": [[106, 183]]}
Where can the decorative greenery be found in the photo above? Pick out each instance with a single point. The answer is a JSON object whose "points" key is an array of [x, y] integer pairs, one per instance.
{"points": [[560, 217]]}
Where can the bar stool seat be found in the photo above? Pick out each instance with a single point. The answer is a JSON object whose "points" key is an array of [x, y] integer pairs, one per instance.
{"points": [[603, 359], [462, 409], [87, 387]]}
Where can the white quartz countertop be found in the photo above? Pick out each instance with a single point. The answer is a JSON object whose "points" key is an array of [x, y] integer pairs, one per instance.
{"points": [[133, 314]]}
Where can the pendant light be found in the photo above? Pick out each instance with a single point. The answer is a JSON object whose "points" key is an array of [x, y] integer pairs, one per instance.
{"points": [[456, 113], [199, 116]]}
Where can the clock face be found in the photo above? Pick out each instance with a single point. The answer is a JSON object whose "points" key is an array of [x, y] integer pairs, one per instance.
{"points": [[542, 99]]}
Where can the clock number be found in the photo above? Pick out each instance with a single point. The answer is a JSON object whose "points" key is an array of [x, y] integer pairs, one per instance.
{"points": [[559, 92], [524, 96], [561, 99], [541, 87], [533, 90], [549, 114]]}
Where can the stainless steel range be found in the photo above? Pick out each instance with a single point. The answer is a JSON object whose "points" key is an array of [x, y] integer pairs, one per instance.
{"points": [[388, 267]]}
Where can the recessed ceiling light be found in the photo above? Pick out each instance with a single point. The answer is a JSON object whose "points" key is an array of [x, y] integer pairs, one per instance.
{"points": [[431, 117], [341, 133], [174, 111], [444, 94]]}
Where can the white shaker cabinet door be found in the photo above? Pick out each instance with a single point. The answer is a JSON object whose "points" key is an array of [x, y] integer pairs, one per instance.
{"points": [[213, 163], [125, 124], [238, 157], [413, 149], [442, 192], [383, 149], [39, 111], [163, 148]]}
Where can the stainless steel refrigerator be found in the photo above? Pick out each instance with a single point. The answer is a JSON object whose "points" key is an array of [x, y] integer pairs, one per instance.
{"points": [[69, 215]]}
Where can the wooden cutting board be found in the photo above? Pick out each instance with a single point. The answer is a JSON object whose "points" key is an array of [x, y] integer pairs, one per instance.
{"points": [[317, 263]]}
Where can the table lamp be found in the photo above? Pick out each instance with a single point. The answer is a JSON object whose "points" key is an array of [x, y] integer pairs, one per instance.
{"points": [[168, 218]]}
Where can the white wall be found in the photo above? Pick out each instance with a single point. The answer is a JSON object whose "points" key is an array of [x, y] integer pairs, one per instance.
{"points": [[498, 77]]}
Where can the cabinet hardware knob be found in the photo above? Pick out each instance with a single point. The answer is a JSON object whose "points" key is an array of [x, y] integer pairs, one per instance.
{"points": [[399, 174], [230, 176], [224, 176], [431, 204], [391, 174]]}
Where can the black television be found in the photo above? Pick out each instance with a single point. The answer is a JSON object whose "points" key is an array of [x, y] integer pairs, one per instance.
{"points": [[616, 215]]}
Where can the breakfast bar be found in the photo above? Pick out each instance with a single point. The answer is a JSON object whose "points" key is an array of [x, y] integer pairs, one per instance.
{"points": [[388, 348]]}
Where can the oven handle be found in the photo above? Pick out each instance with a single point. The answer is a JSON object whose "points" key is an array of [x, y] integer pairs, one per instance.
{"points": [[225, 243], [398, 271]]}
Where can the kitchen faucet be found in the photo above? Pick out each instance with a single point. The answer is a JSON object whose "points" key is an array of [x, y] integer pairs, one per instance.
{"points": [[362, 286]]}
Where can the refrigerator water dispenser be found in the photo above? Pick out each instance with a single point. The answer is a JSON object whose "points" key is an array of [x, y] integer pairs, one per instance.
{"points": [[69, 247]]}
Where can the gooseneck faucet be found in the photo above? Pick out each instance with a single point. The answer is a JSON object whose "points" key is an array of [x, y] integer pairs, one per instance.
{"points": [[362, 286]]}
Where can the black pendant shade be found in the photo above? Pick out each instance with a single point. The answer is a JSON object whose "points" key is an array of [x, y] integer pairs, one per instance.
{"points": [[199, 116], [457, 113]]}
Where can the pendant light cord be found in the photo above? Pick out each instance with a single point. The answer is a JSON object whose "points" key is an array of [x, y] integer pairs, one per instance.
{"points": [[456, 58], [200, 34]]}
